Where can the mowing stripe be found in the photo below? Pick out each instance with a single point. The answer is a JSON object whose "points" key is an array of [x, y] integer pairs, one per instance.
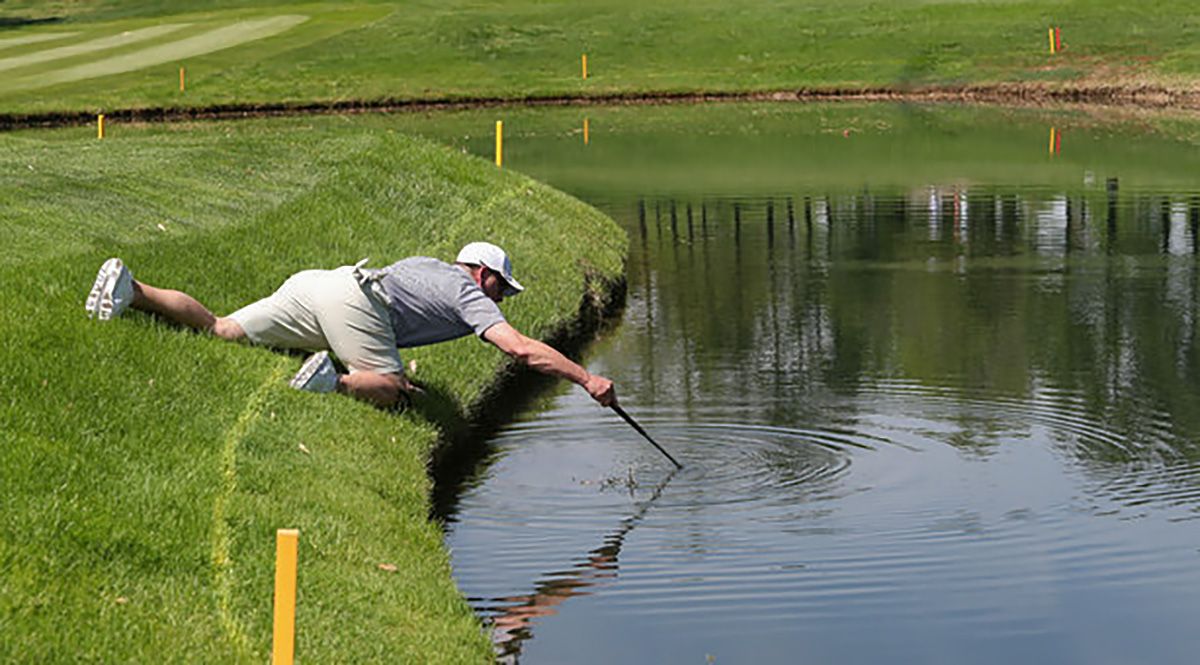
{"points": [[222, 566], [34, 39], [190, 47], [104, 43], [494, 202]]}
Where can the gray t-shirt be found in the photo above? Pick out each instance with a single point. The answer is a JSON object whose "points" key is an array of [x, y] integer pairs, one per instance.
{"points": [[433, 301]]}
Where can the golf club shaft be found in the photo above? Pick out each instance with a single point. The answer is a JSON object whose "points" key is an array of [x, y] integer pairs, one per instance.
{"points": [[632, 423]]}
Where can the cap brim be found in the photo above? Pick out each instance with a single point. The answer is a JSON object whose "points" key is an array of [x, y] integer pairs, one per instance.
{"points": [[513, 287]]}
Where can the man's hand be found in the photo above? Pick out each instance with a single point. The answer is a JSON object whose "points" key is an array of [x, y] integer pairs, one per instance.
{"points": [[410, 387], [601, 390]]}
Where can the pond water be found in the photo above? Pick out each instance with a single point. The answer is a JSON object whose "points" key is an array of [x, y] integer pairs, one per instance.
{"points": [[933, 373]]}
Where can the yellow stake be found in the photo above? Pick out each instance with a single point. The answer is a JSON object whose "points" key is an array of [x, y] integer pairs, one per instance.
{"points": [[284, 644], [585, 66], [1051, 41], [499, 143], [1051, 140], [181, 85], [100, 126], [585, 131]]}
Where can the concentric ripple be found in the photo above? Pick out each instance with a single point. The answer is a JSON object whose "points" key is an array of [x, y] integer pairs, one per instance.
{"points": [[968, 496], [955, 424]]}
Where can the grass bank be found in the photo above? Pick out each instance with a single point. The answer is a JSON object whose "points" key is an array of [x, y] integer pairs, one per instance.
{"points": [[144, 469], [363, 51]]}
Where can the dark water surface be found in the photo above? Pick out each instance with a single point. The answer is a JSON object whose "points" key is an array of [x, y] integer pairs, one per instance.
{"points": [[934, 385]]}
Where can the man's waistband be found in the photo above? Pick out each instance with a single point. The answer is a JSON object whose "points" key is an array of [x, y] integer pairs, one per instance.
{"points": [[370, 280]]}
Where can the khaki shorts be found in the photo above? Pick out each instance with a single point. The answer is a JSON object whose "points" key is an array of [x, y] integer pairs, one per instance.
{"points": [[326, 309]]}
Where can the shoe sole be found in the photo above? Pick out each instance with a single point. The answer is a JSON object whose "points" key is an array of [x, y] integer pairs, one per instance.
{"points": [[308, 369], [106, 276], [108, 307]]}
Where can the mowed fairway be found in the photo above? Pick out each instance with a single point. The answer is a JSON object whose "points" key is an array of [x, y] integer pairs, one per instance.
{"points": [[214, 39], [144, 469], [372, 51], [122, 63]]}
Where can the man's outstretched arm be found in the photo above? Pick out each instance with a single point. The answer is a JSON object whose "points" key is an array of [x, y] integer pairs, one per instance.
{"points": [[545, 359]]}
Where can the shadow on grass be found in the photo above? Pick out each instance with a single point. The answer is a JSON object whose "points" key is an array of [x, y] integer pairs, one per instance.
{"points": [[18, 21], [466, 450]]}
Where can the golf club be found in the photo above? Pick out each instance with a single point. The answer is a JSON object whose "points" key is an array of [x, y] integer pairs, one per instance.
{"points": [[629, 419]]}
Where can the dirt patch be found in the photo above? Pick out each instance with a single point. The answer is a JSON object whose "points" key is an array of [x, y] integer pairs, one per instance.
{"points": [[1135, 95]]}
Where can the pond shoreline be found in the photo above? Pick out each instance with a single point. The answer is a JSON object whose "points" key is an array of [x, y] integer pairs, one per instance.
{"points": [[464, 443], [206, 490], [1010, 94]]}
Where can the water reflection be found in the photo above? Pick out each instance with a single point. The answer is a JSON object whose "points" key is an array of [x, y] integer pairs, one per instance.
{"points": [[972, 288], [927, 419], [511, 617]]}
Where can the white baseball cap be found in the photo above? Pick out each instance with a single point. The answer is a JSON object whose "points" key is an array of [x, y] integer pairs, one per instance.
{"points": [[488, 255]]}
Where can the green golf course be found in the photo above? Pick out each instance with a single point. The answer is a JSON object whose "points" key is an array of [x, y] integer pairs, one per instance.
{"points": [[144, 470], [254, 52]]}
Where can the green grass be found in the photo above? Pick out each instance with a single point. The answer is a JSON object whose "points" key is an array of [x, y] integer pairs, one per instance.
{"points": [[145, 469], [424, 50]]}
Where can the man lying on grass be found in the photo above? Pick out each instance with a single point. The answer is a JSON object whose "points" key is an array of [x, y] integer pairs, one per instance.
{"points": [[362, 316]]}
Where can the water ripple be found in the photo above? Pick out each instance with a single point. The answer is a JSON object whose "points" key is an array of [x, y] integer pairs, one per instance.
{"points": [[856, 515]]}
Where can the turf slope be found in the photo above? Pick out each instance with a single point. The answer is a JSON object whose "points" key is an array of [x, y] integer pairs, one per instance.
{"points": [[144, 469]]}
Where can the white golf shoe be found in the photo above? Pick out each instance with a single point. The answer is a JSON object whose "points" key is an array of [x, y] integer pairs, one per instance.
{"points": [[317, 374], [112, 293]]}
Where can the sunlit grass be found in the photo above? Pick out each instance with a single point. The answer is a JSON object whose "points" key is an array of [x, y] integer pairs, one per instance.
{"points": [[427, 50], [144, 469]]}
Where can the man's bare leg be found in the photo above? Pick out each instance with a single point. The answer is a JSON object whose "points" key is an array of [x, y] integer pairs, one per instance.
{"points": [[181, 308], [384, 390], [381, 389]]}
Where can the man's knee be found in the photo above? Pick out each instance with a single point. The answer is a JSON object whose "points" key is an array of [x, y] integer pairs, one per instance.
{"points": [[227, 328]]}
